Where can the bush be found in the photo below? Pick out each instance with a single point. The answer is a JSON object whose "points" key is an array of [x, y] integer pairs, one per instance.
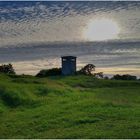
{"points": [[106, 78], [99, 75], [49, 72], [8, 69], [124, 77]]}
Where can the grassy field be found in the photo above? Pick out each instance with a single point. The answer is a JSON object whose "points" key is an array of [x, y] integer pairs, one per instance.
{"points": [[68, 107]]}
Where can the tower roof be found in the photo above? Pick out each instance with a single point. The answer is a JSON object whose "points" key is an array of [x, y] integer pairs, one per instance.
{"points": [[68, 56]]}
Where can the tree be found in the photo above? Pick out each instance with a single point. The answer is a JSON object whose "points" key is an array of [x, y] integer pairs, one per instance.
{"points": [[88, 69], [8, 69]]}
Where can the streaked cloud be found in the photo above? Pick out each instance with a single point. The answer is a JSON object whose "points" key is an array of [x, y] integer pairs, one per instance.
{"points": [[36, 34], [29, 22]]}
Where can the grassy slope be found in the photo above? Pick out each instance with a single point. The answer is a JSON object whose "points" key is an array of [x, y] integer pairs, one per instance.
{"points": [[68, 107]]}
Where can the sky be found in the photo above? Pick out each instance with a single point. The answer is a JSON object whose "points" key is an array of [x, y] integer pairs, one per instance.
{"points": [[34, 35]]}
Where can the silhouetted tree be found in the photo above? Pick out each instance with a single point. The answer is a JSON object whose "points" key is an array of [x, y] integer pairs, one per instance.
{"points": [[124, 77], [49, 72], [87, 70], [8, 69]]}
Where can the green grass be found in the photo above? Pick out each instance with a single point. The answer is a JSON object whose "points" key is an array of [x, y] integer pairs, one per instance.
{"points": [[68, 107]]}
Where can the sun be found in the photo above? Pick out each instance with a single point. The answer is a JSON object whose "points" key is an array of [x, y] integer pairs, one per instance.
{"points": [[101, 29]]}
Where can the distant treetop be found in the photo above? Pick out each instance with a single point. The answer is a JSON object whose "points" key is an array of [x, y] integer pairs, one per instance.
{"points": [[8, 69]]}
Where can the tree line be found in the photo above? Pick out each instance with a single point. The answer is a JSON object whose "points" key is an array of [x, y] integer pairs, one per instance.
{"points": [[86, 70]]}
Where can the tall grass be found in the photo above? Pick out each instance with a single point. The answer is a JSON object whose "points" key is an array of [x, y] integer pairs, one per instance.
{"points": [[68, 107], [15, 97]]}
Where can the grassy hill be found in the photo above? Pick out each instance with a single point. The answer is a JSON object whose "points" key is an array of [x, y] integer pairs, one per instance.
{"points": [[68, 107]]}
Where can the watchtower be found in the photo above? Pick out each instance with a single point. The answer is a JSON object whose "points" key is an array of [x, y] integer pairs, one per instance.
{"points": [[68, 65]]}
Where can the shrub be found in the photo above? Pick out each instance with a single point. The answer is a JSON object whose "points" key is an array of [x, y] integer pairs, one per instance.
{"points": [[124, 77], [8, 69], [49, 72], [106, 77], [99, 75]]}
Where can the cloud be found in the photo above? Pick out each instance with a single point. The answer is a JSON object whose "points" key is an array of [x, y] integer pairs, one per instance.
{"points": [[26, 22], [36, 34]]}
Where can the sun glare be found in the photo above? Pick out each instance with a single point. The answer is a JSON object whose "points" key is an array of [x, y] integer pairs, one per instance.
{"points": [[101, 29]]}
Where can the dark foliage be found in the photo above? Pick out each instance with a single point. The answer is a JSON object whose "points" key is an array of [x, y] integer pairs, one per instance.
{"points": [[8, 69], [87, 70], [49, 72], [124, 77], [99, 75], [106, 77]]}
